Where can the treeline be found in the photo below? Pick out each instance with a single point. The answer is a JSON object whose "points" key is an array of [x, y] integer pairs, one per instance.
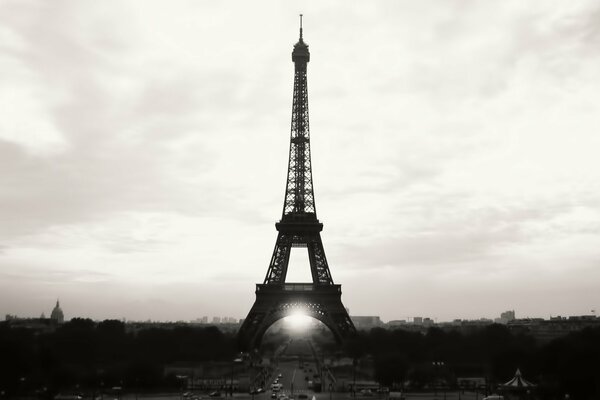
{"points": [[90, 356], [570, 364]]}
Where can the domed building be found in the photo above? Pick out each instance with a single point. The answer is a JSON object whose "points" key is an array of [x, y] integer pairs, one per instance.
{"points": [[57, 315]]}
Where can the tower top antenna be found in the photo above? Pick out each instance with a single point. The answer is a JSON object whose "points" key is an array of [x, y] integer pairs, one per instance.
{"points": [[300, 26]]}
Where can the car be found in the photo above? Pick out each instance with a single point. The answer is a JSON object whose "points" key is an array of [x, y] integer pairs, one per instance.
{"points": [[280, 376], [303, 396], [215, 394], [494, 397], [396, 396], [273, 395]]}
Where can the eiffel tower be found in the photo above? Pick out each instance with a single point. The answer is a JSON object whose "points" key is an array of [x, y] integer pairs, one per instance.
{"points": [[298, 227]]}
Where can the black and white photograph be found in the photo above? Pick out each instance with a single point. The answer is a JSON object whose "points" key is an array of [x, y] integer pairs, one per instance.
{"points": [[299, 200]]}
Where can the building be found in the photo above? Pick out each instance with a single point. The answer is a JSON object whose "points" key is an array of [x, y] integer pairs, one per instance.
{"points": [[505, 317], [547, 330], [57, 315], [396, 322], [508, 315], [366, 322]]}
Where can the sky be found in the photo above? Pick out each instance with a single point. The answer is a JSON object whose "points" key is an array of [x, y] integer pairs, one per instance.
{"points": [[144, 145]]}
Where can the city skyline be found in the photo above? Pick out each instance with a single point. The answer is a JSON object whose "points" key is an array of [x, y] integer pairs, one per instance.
{"points": [[143, 153], [297, 318]]}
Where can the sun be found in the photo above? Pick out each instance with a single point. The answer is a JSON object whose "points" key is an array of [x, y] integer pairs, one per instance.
{"points": [[298, 320]]}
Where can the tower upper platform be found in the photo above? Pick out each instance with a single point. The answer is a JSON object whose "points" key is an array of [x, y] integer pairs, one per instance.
{"points": [[300, 53]]}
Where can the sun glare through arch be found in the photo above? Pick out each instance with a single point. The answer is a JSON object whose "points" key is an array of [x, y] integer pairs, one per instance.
{"points": [[298, 320]]}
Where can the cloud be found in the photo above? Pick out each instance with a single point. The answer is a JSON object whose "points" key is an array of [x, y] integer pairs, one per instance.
{"points": [[147, 146], [435, 236], [111, 137]]}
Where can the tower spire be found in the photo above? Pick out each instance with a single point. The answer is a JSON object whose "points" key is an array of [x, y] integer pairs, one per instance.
{"points": [[300, 27]]}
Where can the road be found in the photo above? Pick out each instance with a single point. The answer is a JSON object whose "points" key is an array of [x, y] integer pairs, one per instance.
{"points": [[297, 367], [318, 396]]}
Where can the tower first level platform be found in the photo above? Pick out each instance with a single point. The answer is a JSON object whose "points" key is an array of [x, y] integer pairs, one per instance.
{"points": [[273, 302]]}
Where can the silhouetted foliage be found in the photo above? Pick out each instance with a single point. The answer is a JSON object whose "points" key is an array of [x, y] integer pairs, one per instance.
{"points": [[567, 365], [390, 368], [85, 354], [82, 353], [572, 364]]}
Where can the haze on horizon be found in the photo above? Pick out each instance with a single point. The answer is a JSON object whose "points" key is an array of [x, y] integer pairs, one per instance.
{"points": [[143, 153]]}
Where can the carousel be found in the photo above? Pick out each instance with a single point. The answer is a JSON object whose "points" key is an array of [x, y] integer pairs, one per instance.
{"points": [[517, 388]]}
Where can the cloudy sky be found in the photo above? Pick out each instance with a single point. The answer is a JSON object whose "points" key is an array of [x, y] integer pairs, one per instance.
{"points": [[455, 147]]}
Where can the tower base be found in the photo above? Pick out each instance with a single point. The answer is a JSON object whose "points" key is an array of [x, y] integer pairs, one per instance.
{"points": [[273, 302]]}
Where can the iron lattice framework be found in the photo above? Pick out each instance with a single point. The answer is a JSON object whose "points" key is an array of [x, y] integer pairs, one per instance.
{"points": [[298, 227], [299, 195]]}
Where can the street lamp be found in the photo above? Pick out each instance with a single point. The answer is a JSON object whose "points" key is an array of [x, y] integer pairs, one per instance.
{"points": [[437, 365], [236, 360], [181, 378], [254, 376], [354, 362], [22, 385]]}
